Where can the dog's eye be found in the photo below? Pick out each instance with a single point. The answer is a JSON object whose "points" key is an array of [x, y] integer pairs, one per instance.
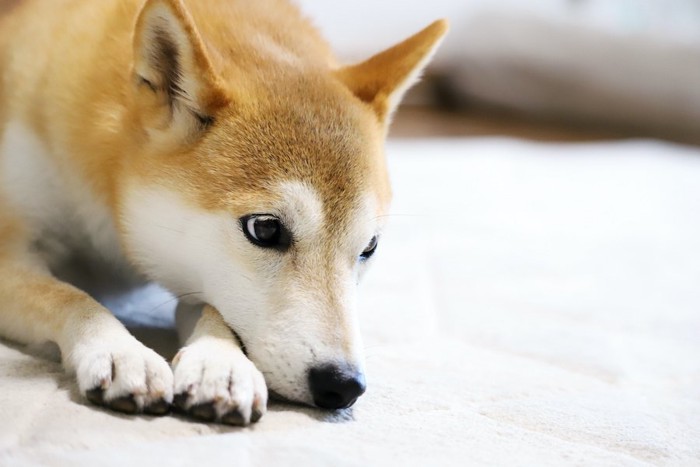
{"points": [[371, 248], [265, 231]]}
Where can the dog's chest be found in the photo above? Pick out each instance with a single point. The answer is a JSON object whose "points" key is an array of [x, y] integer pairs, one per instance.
{"points": [[66, 219]]}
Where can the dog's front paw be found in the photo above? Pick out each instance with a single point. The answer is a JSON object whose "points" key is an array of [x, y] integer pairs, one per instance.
{"points": [[214, 381], [125, 376]]}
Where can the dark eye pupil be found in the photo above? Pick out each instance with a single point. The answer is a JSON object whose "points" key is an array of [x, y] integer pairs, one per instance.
{"points": [[267, 230], [371, 248]]}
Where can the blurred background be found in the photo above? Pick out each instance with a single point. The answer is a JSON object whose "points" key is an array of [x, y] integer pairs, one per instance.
{"points": [[540, 69], [547, 212]]}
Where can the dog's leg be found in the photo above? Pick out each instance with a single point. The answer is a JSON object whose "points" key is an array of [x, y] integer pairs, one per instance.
{"points": [[112, 367], [214, 380]]}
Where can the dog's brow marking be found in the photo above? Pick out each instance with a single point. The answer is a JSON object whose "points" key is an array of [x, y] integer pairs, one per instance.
{"points": [[304, 207]]}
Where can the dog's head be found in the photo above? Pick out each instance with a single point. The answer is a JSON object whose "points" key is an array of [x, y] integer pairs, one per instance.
{"points": [[258, 184]]}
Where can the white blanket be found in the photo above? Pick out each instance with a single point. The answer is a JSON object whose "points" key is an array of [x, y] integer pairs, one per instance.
{"points": [[531, 304]]}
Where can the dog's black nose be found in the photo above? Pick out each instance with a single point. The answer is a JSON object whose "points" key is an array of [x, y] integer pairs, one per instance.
{"points": [[336, 386]]}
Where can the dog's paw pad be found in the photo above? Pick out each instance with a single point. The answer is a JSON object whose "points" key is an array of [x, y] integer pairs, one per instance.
{"points": [[96, 395], [124, 404], [180, 402], [236, 418], [124, 376], [205, 411], [159, 407], [218, 384]]}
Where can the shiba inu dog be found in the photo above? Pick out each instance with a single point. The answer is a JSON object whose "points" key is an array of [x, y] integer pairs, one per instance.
{"points": [[215, 147]]}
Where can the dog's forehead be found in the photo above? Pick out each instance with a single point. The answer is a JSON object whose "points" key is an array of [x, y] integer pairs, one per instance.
{"points": [[331, 146], [304, 207]]}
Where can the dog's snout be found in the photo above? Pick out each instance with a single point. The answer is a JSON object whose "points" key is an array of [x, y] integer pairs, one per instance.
{"points": [[336, 386]]}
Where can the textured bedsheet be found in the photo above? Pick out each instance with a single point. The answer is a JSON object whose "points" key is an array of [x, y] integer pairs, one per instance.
{"points": [[532, 304]]}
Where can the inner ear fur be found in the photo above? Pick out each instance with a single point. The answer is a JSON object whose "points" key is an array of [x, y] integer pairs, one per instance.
{"points": [[177, 88], [382, 80]]}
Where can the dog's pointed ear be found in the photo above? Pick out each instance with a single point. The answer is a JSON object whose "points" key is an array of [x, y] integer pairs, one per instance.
{"points": [[382, 80], [178, 91]]}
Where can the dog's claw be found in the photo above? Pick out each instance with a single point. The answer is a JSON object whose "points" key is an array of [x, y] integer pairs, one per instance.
{"points": [[205, 412], [256, 415], [96, 395], [234, 417], [159, 407]]}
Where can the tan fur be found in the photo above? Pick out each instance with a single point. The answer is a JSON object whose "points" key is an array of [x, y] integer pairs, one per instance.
{"points": [[262, 100]]}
